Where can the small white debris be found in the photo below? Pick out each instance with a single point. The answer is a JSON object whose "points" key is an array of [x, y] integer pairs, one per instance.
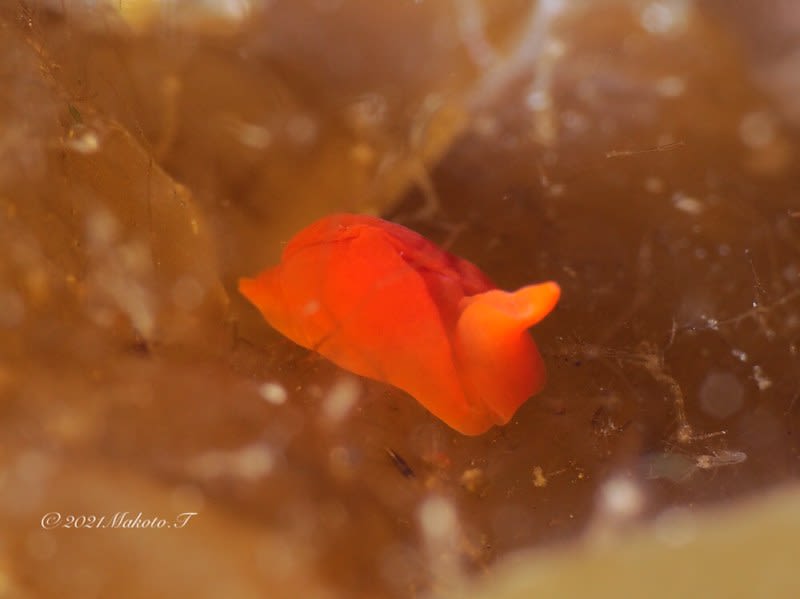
{"points": [[654, 185], [85, 143], [687, 204], [555, 48], [664, 17], [621, 498], [438, 520], [274, 393], [254, 136], [574, 121], [341, 398], [539, 99], [485, 126], [539, 478], [738, 353], [101, 229], [761, 379], [251, 135], [369, 111], [671, 86], [251, 463], [441, 533], [757, 130], [473, 480]]}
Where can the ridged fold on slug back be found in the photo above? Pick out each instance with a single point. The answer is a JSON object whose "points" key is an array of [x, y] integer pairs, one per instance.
{"points": [[385, 303]]}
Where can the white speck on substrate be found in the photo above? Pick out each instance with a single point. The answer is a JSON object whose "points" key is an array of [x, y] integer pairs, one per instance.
{"points": [[274, 393], [761, 379], [687, 204], [341, 398]]}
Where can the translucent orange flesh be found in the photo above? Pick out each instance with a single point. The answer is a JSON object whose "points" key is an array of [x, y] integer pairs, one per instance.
{"points": [[385, 303]]}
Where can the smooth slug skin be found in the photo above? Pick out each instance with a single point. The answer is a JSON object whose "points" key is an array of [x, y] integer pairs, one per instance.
{"points": [[385, 303]]}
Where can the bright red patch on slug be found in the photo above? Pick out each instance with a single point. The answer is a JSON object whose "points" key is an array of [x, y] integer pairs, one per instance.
{"points": [[386, 303]]}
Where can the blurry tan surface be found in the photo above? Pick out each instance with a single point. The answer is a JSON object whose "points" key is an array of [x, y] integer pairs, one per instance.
{"points": [[737, 553], [633, 151]]}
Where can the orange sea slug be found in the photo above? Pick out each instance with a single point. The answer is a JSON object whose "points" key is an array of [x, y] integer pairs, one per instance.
{"points": [[385, 303]]}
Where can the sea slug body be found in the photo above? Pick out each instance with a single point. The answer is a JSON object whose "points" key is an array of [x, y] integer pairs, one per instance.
{"points": [[382, 301]]}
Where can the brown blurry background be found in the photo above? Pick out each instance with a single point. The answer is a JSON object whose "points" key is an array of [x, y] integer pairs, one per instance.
{"points": [[641, 153]]}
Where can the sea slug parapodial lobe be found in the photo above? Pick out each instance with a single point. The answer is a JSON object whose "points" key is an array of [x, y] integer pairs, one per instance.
{"points": [[385, 303]]}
